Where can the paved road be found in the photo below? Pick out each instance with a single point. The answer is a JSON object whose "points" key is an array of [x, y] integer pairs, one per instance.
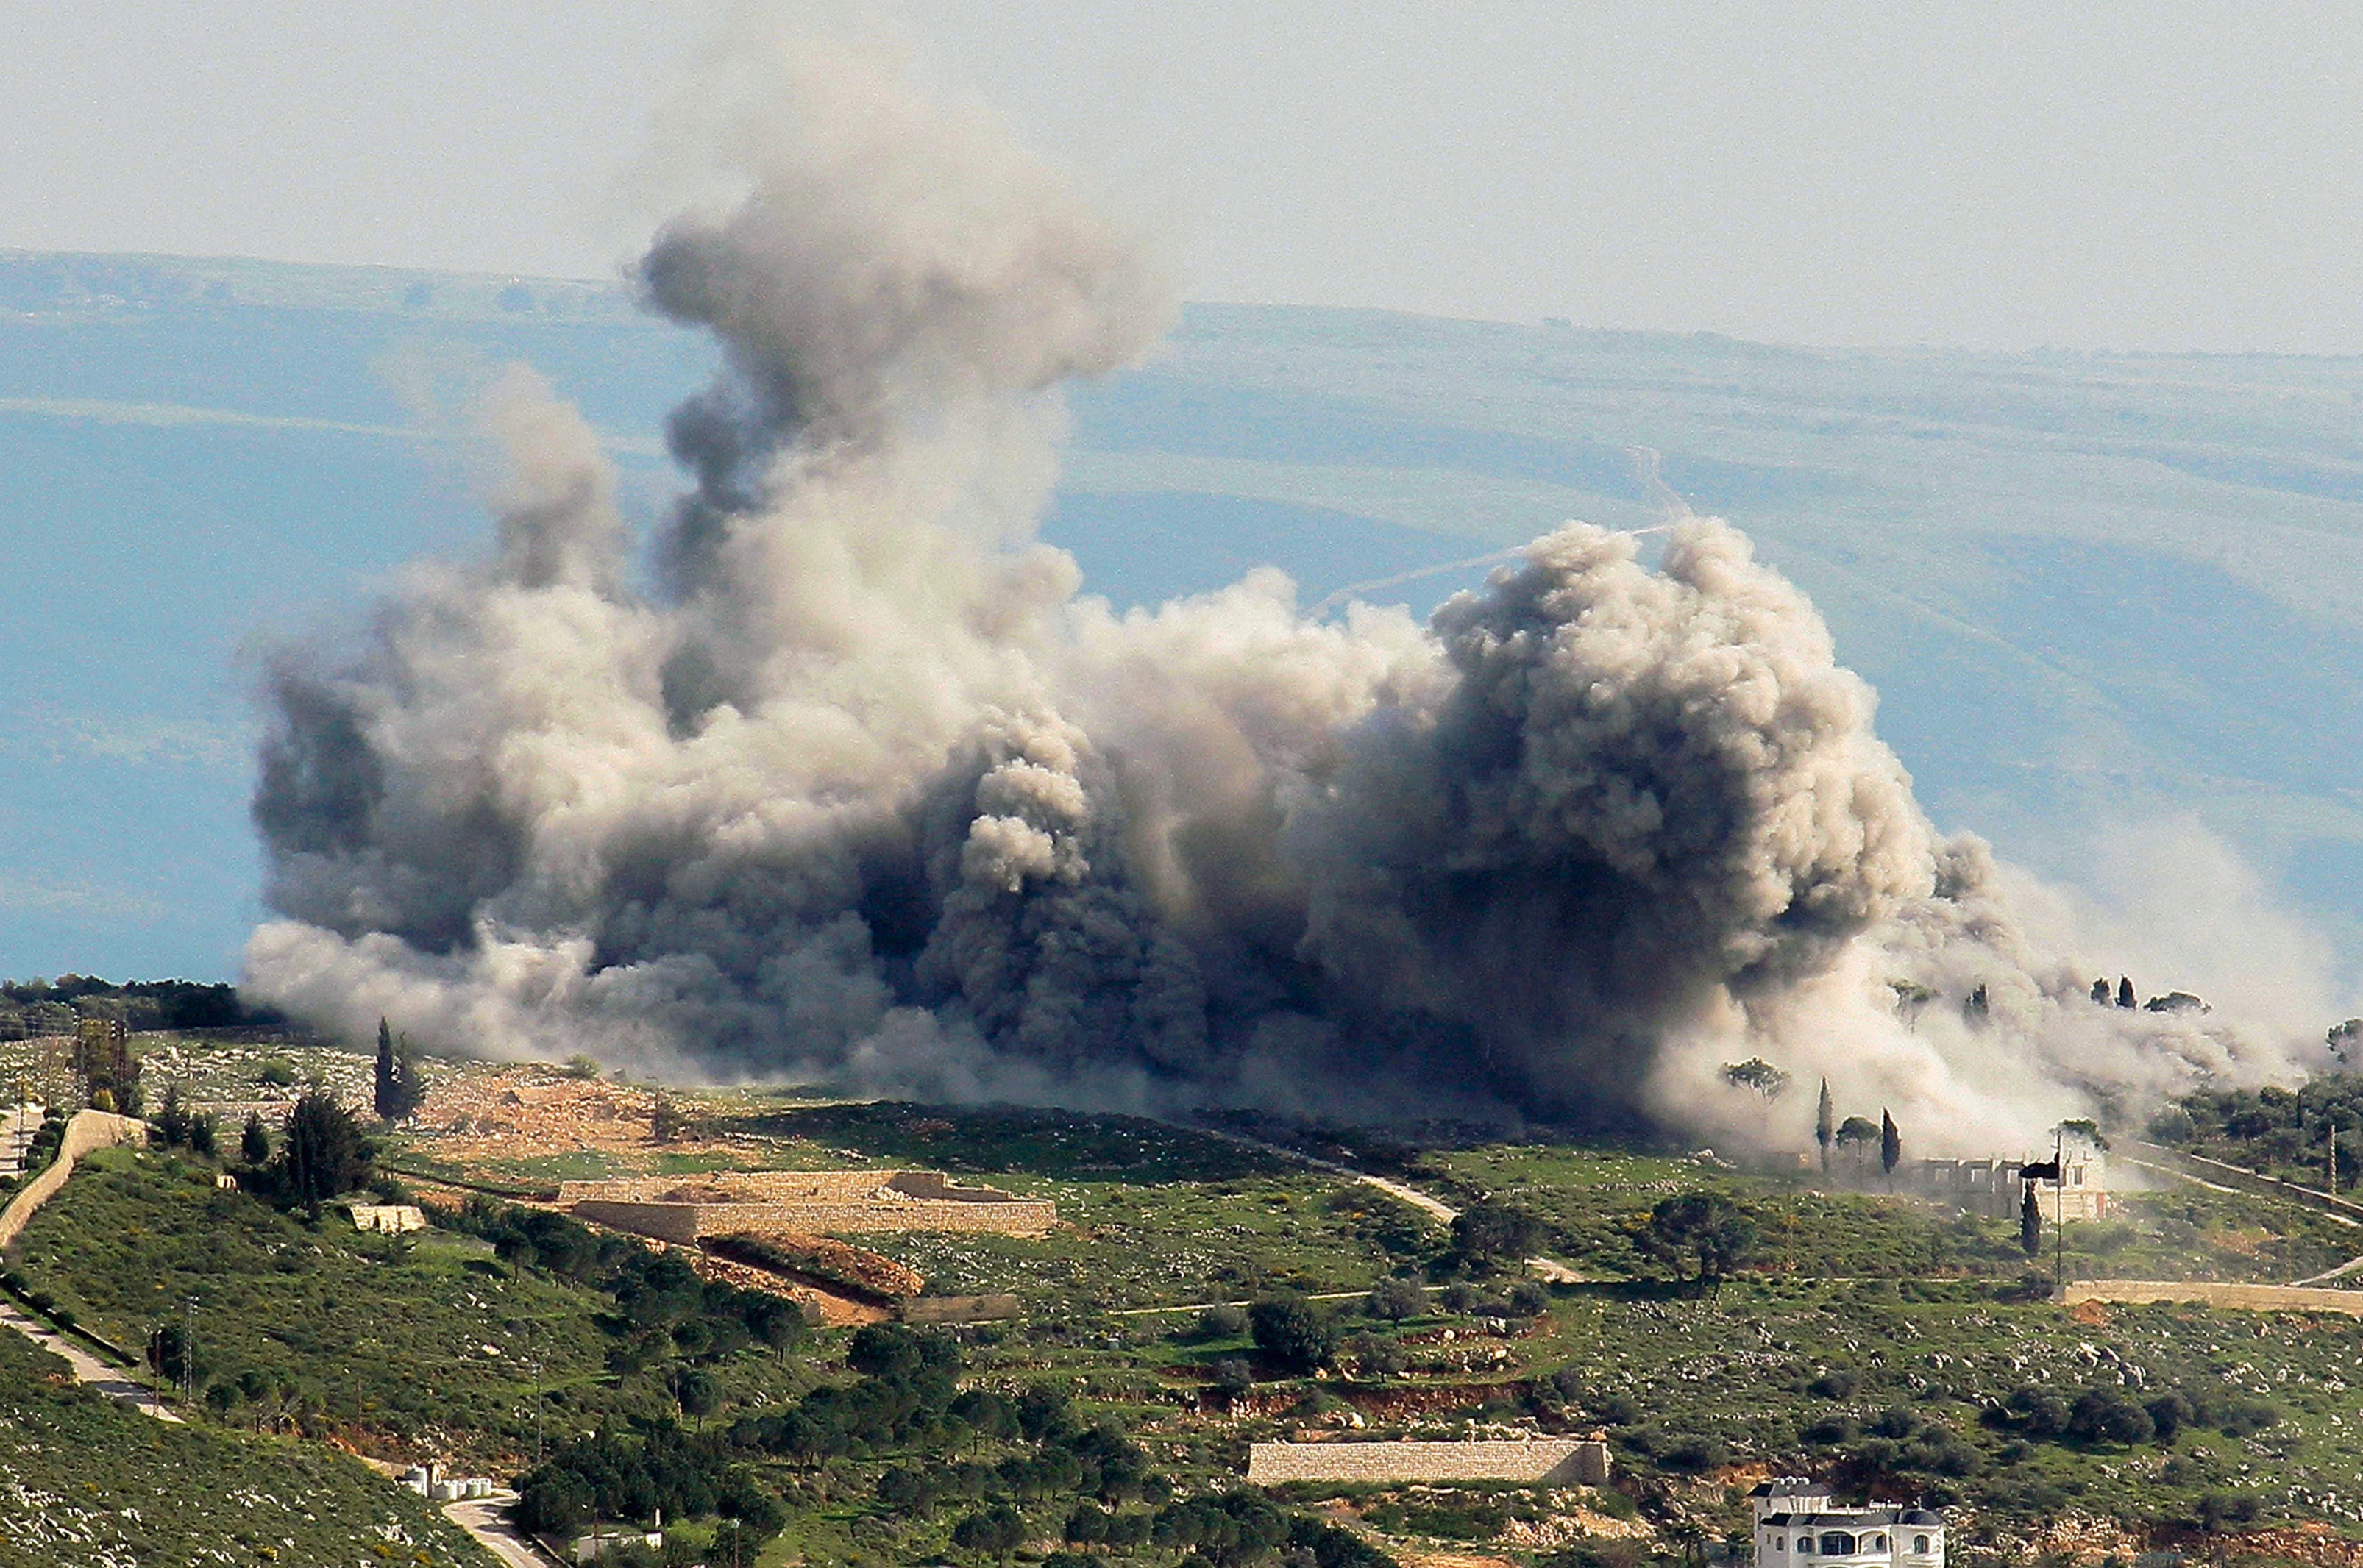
{"points": [[482, 1518], [88, 1369]]}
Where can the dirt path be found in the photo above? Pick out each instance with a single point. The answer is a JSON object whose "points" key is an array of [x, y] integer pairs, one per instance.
{"points": [[1443, 1213]]}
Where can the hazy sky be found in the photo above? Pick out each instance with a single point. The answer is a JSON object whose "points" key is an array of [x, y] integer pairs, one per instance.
{"points": [[2175, 173]]}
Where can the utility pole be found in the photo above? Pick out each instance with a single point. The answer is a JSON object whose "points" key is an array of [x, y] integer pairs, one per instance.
{"points": [[2059, 1204], [189, 1352]]}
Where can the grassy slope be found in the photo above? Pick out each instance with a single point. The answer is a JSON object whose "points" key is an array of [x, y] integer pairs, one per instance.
{"points": [[1926, 1325], [86, 1482], [1594, 1200], [409, 1329]]}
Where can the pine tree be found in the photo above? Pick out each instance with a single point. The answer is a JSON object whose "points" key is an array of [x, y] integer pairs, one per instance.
{"points": [[2101, 992], [2125, 991], [1890, 1144], [1826, 1124], [254, 1143], [2030, 1224]]}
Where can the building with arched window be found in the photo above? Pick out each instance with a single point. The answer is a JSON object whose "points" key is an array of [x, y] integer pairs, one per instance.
{"points": [[1798, 1526]]}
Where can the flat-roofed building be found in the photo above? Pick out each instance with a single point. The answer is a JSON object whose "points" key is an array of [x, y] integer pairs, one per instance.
{"points": [[1799, 1526]]}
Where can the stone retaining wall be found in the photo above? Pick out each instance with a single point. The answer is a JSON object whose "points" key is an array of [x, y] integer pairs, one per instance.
{"points": [[1562, 1462], [2235, 1298], [959, 1309], [685, 1222], [785, 1186], [88, 1129]]}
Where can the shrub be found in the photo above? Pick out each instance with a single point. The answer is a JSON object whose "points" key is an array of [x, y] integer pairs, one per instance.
{"points": [[1528, 1299], [1487, 1235], [1292, 1335], [1222, 1322], [1393, 1300], [2105, 1415], [2246, 1418], [995, 1531]]}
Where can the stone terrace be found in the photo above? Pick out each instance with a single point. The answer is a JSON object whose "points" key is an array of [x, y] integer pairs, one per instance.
{"points": [[1556, 1461], [810, 1203]]}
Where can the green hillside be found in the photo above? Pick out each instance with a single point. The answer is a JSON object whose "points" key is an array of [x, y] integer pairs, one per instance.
{"points": [[87, 1483], [1896, 1348]]}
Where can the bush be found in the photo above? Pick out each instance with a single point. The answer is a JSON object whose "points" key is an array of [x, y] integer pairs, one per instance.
{"points": [[1487, 1235], [1393, 1300], [2170, 1413], [995, 1531], [2105, 1415], [1222, 1322], [2246, 1418], [1686, 1452], [1528, 1299], [1466, 1299], [1292, 1335], [2037, 1412]]}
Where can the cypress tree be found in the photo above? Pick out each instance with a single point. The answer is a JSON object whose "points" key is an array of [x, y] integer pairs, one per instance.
{"points": [[2030, 1224], [1826, 1124], [389, 1091], [399, 1090], [1890, 1144]]}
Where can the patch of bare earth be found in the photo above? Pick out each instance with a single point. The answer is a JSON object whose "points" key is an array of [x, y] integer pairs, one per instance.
{"points": [[483, 1113]]}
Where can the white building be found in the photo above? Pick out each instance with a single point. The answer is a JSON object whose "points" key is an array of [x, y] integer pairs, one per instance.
{"points": [[1797, 1526]]}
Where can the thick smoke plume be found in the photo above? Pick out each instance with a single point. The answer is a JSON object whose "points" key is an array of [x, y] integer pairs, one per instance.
{"points": [[852, 785]]}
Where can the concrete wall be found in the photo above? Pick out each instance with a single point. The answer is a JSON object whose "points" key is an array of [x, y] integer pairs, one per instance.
{"points": [[1564, 1462], [2235, 1298], [88, 1129]]}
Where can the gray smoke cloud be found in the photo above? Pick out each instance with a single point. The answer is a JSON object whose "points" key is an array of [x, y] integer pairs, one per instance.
{"points": [[861, 789]]}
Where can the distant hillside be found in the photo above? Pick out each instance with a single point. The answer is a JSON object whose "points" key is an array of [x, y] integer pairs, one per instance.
{"points": [[2084, 585]]}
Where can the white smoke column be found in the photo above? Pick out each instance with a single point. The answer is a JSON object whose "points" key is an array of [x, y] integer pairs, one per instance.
{"points": [[864, 792]]}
